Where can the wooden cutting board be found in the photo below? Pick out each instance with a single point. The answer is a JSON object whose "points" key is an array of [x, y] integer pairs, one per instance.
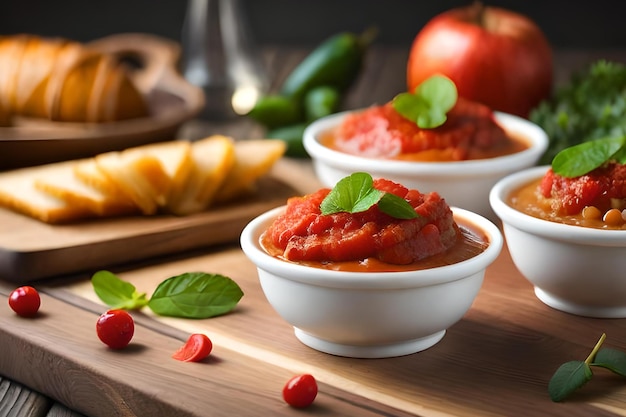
{"points": [[496, 361], [32, 250]]}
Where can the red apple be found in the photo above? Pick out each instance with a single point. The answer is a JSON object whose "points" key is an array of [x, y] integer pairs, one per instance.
{"points": [[495, 56]]}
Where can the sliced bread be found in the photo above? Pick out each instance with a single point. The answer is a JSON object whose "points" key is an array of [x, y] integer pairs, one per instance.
{"points": [[61, 181], [212, 159], [148, 174], [18, 192], [253, 159]]}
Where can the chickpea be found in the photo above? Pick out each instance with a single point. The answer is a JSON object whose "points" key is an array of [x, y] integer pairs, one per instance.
{"points": [[613, 217], [591, 213]]}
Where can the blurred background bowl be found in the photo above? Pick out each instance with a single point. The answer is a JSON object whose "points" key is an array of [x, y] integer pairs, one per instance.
{"points": [[463, 184], [575, 269], [370, 315]]}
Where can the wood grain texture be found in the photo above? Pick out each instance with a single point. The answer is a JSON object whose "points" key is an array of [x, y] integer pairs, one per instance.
{"points": [[16, 400], [75, 368], [496, 361]]}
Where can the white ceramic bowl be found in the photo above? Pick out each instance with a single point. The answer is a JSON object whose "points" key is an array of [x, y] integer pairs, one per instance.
{"points": [[574, 269], [463, 184], [370, 315]]}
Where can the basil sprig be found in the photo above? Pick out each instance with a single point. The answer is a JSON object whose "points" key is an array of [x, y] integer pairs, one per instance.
{"points": [[574, 374], [196, 295], [583, 158], [429, 105], [356, 193], [117, 293]]}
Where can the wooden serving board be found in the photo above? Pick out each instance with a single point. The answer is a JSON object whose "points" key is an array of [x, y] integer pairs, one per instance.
{"points": [[496, 361], [32, 250]]}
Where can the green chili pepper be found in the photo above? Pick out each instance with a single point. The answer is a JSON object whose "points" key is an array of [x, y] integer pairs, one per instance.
{"points": [[320, 102], [275, 110], [292, 136], [335, 63]]}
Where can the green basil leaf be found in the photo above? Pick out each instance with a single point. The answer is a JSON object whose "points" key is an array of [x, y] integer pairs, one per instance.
{"points": [[620, 156], [432, 118], [117, 293], [568, 378], [195, 295], [352, 194], [356, 193], [430, 103], [439, 91], [583, 158], [612, 359], [410, 106], [396, 207]]}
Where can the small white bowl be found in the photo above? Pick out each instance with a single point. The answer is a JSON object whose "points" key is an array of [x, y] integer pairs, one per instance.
{"points": [[463, 184], [370, 315], [574, 269]]}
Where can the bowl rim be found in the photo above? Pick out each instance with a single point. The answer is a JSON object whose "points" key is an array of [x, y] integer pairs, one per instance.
{"points": [[488, 166], [363, 281], [545, 228]]}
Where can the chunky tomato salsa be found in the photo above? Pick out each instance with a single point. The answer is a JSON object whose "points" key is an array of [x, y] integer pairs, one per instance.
{"points": [[603, 188], [596, 199], [302, 233], [470, 132]]}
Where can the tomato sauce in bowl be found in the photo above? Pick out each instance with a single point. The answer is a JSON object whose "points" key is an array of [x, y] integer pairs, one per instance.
{"points": [[595, 200], [470, 243], [372, 241], [470, 132]]}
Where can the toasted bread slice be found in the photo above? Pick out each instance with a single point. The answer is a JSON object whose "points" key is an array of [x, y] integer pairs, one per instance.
{"points": [[213, 157], [88, 172], [61, 181], [253, 159], [19, 193], [148, 174], [136, 176]]}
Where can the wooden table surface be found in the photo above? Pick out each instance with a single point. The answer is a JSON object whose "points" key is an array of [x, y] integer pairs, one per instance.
{"points": [[496, 361]]}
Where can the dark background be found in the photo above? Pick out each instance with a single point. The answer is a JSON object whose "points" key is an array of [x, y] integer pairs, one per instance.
{"points": [[567, 24]]}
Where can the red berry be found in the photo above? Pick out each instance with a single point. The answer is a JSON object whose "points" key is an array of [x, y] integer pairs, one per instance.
{"points": [[300, 391], [25, 301], [115, 328]]}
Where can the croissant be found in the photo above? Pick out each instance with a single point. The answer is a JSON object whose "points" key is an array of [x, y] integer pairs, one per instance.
{"points": [[64, 80]]}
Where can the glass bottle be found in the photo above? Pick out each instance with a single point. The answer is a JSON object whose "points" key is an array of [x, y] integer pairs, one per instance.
{"points": [[219, 55]]}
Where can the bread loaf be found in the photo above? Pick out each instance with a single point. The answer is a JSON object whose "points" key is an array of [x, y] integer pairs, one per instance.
{"points": [[63, 80]]}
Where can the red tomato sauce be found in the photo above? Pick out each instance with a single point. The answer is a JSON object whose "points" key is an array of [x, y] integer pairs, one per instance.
{"points": [[566, 200], [599, 188], [470, 132], [302, 234]]}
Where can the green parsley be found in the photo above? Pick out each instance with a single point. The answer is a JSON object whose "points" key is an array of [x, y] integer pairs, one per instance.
{"points": [[195, 295], [590, 106], [429, 105], [585, 157], [356, 193], [574, 374]]}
